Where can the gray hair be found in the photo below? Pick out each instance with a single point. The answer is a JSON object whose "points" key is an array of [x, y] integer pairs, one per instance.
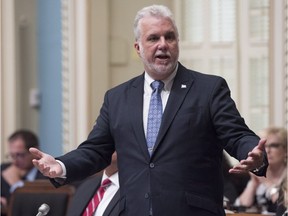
{"points": [[154, 11]]}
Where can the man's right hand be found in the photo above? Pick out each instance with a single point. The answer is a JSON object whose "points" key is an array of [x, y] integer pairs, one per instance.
{"points": [[46, 164]]}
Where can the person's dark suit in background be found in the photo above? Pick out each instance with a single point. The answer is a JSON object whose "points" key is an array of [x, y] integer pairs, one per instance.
{"points": [[233, 184], [89, 187], [20, 168], [181, 174]]}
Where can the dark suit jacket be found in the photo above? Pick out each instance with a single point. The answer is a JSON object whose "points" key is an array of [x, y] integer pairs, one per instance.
{"points": [[184, 175], [84, 194]]}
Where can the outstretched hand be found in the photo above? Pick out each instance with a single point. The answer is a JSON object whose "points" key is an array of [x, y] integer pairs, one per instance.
{"points": [[253, 161], [46, 164]]}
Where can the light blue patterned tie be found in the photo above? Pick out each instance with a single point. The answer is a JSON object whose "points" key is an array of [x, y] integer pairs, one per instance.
{"points": [[154, 115]]}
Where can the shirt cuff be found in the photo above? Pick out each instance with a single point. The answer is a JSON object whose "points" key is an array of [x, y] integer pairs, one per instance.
{"points": [[64, 172]]}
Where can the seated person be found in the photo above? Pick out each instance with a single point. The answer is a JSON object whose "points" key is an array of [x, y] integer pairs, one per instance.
{"points": [[260, 192], [21, 168], [234, 184], [282, 208], [108, 204]]}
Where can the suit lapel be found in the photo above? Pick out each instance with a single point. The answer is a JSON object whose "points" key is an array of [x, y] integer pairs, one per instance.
{"points": [[112, 204], [181, 86], [136, 112]]}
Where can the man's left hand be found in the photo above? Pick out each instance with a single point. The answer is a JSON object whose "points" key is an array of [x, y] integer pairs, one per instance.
{"points": [[254, 160]]}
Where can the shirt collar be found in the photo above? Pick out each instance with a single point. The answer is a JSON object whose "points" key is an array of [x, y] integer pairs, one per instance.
{"points": [[31, 175], [113, 178]]}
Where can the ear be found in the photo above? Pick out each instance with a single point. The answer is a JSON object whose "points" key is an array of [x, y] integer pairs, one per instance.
{"points": [[137, 47]]}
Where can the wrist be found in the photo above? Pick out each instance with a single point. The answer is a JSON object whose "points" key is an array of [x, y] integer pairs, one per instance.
{"points": [[259, 168]]}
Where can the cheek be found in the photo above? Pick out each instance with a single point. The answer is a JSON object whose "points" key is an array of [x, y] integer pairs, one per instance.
{"points": [[175, 50], [148, 48], [278, 156], [19, 164], [284, 155]]}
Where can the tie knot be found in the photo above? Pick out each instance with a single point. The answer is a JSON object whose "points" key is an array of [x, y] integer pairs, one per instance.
{"points": [[106, 183], [157, 84]]}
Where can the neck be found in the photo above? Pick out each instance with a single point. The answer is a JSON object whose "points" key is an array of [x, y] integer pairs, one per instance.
{"points": [[276, 172], [110, 170]]}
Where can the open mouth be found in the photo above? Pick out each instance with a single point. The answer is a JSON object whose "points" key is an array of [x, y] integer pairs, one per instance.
{"points": [[163, 57]]}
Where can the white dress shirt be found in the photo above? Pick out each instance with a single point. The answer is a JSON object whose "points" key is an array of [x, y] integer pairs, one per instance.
{"points": [[109, 193]]}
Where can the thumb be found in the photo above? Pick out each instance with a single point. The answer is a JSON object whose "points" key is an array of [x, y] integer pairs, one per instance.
{"points": [[261, 144]]}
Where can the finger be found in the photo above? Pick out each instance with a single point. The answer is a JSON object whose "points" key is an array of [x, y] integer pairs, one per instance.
{"points": [[36, 152], [52, 174], [249, 166], [237, 171], [40, 165], [255, 154], [36, 163], [239, 167], [46, 171], [261, 144], [244, 166]]}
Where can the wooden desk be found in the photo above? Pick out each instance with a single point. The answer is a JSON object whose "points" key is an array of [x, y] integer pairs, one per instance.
{"points": [[243, 214]]}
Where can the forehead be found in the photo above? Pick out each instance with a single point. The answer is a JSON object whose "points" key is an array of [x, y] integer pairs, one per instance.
{"points": [[17, 144], [274, 138], [156, 25]]}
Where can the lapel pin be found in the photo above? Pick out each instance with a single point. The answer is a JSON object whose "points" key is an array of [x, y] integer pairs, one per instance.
{"points": [[183, 86]]}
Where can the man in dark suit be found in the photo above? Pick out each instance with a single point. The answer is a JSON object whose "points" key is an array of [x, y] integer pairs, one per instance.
{"points": [[20, 169], [180, 173], [109, 205]]}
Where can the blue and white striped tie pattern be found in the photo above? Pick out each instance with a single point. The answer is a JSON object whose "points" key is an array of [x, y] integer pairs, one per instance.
{"points": [[154, 114]]}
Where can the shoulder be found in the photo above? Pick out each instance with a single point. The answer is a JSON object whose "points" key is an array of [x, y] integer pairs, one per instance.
{"points": [[133, 82], [201, 81], [198, 76], [5, 166], [122, 89]]}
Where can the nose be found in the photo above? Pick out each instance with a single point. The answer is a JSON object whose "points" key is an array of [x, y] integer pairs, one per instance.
{"points": [[16, 163], [162, 43], [267, 149]]}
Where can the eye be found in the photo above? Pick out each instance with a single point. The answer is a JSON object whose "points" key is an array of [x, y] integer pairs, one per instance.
{"points": [[170, 36], [273, 145], [153, 38]]}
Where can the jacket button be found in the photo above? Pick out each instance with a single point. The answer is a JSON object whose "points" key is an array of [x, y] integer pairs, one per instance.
{"points": [[152, 165], [146, 195]]}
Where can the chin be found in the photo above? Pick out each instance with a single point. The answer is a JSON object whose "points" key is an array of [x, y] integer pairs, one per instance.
{"points": [[165, 70]]}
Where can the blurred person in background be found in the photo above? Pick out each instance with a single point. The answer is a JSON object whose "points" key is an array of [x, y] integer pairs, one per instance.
{"points": [[234, 184], [20, 168], [108, 204], [262, 193], [282, 207]]}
